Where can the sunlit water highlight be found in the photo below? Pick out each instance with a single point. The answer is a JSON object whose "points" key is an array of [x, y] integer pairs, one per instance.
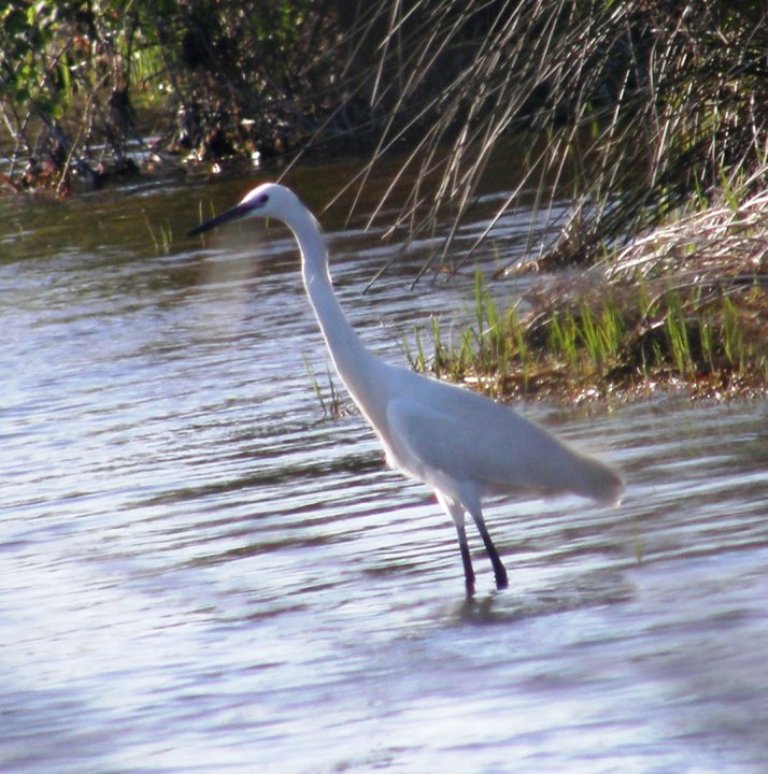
{"points": [[201, 572]]}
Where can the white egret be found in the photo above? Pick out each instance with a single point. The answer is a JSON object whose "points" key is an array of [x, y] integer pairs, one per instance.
{"points": [[461, 444]]}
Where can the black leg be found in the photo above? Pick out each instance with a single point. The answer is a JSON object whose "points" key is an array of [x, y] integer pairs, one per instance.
{"points": [[456, 512], [469, 573], [498, 568]]}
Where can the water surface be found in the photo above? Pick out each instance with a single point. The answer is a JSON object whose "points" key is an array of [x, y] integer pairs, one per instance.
{"points": [[203, 572]]}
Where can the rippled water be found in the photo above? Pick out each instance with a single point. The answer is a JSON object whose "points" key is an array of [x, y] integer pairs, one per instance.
{"points": [[202, 572]]}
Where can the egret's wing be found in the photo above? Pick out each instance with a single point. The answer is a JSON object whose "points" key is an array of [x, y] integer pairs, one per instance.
{"points": [[464, 437], [462, 446]]}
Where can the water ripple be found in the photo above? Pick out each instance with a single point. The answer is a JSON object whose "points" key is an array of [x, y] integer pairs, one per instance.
{"points": [[202, 571]]}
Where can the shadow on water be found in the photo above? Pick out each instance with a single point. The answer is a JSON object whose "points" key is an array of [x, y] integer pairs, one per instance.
{"points": [[598, 588], [38, 729]]}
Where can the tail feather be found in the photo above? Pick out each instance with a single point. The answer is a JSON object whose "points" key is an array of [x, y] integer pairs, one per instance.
{"points": [[596, 481]]}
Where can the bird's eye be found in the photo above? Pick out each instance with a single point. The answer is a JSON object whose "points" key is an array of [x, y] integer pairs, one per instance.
{"points": [[264, 198]]}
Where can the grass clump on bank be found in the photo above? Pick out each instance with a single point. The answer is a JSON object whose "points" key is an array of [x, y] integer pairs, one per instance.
{"points": [[683, 307]]}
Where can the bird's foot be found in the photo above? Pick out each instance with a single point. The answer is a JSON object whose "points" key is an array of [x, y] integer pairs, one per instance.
{"points": [[501, 578]]}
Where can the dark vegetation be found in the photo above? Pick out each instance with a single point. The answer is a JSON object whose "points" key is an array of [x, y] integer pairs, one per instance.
{"points": [[92, 90], [650, 117]]}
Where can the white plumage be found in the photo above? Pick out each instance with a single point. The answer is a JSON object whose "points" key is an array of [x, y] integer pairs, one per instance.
{"points": [[462, 445]]}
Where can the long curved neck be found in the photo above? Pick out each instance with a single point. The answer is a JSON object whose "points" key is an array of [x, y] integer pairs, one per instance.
{"points": [[346, 349]]}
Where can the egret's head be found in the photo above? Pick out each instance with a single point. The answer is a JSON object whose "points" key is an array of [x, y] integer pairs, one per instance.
{"points": [[268, 200]]}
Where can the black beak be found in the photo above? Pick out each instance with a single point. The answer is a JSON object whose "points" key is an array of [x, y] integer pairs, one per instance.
{"points": [[232, 214]]}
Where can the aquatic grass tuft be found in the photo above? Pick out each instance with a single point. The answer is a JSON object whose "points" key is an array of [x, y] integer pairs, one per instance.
{"points": [[602, 341], [600, 331], [332, 405], [676, 329], [161, 236], [732, 336], [562, 335]]}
